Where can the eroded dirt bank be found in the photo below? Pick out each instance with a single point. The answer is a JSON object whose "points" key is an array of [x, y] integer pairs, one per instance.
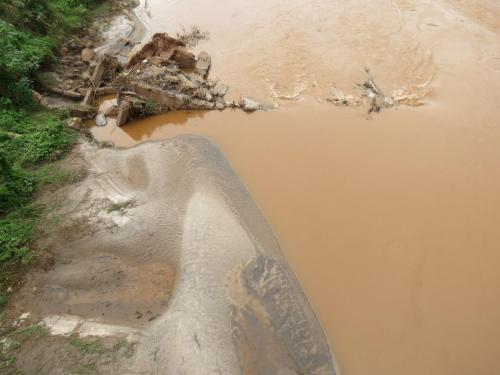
{"points": [[390, 223]]}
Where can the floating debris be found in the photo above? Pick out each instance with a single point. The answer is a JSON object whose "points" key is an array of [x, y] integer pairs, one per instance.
{"points": [[373, 96]]}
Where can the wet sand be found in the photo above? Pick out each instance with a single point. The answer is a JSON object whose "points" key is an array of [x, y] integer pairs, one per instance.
{"points": [[390, 221]]}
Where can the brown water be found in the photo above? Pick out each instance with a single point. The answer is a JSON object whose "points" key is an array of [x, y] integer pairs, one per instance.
{"points": [[392, 223]]}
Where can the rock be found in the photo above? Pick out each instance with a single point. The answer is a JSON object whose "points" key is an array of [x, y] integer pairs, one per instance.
{"points": [[220, 90], [199, 104], [203, 64], [109, 107], [100, 120], [186, 83], [123, 113], [75, 44], [75, 123], [220, 104], [82, 110], [37, 97], [88, 55], [50, 101], [184, 58], [21, 319], [111, 111], [63, 51], [250, 105]]}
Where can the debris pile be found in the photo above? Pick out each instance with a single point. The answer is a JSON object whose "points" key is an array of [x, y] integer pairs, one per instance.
{"points": [[163, 75], [78, 79], [374, 97], [159, 76]]}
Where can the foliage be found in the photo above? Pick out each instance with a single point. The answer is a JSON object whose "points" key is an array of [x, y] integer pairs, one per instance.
{"points": [[30, 30], [13, 340], [52, 17], [21, 54], [15, 232]]}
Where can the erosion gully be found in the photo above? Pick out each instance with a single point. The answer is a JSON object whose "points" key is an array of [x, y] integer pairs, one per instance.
{"points": [[390, 220]]}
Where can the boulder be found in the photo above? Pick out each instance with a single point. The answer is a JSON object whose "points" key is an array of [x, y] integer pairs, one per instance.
{"points": [[100, 120], [111, 111], [219, 90], [82, 110], [87, 55], [37, 97], [184, 58], [75, 123], [250, 105], [199, 104]]}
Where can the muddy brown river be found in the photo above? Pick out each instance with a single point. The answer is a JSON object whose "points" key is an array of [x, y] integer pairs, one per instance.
{"points": [[390, 220]]}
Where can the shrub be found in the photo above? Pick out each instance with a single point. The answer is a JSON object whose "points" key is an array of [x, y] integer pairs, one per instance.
{"points": [[29, 33]]}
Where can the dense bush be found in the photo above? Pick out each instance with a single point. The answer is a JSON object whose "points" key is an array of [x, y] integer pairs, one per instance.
{"points": [[29, 33], [21, 54], [48, 17]]}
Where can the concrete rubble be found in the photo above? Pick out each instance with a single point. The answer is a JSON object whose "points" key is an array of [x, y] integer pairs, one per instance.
{"points": [[156, 79], [159, 76]]}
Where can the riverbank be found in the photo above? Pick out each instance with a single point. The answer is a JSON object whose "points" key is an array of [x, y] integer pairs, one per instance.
{"points": [[33, 136]]}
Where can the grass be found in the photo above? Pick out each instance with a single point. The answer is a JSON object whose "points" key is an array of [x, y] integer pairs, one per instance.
{"points": [[96, 353], [96, 347], [88, 347], [91, 353], [13, 341]]}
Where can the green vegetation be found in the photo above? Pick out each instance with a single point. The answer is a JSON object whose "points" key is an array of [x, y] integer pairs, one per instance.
{"points": [[13, 340], [30, 138]]}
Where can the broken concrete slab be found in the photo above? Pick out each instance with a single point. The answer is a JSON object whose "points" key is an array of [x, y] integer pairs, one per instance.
{"points": [[123, 113], [183, 58], [203, 64], [161, 45]]}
